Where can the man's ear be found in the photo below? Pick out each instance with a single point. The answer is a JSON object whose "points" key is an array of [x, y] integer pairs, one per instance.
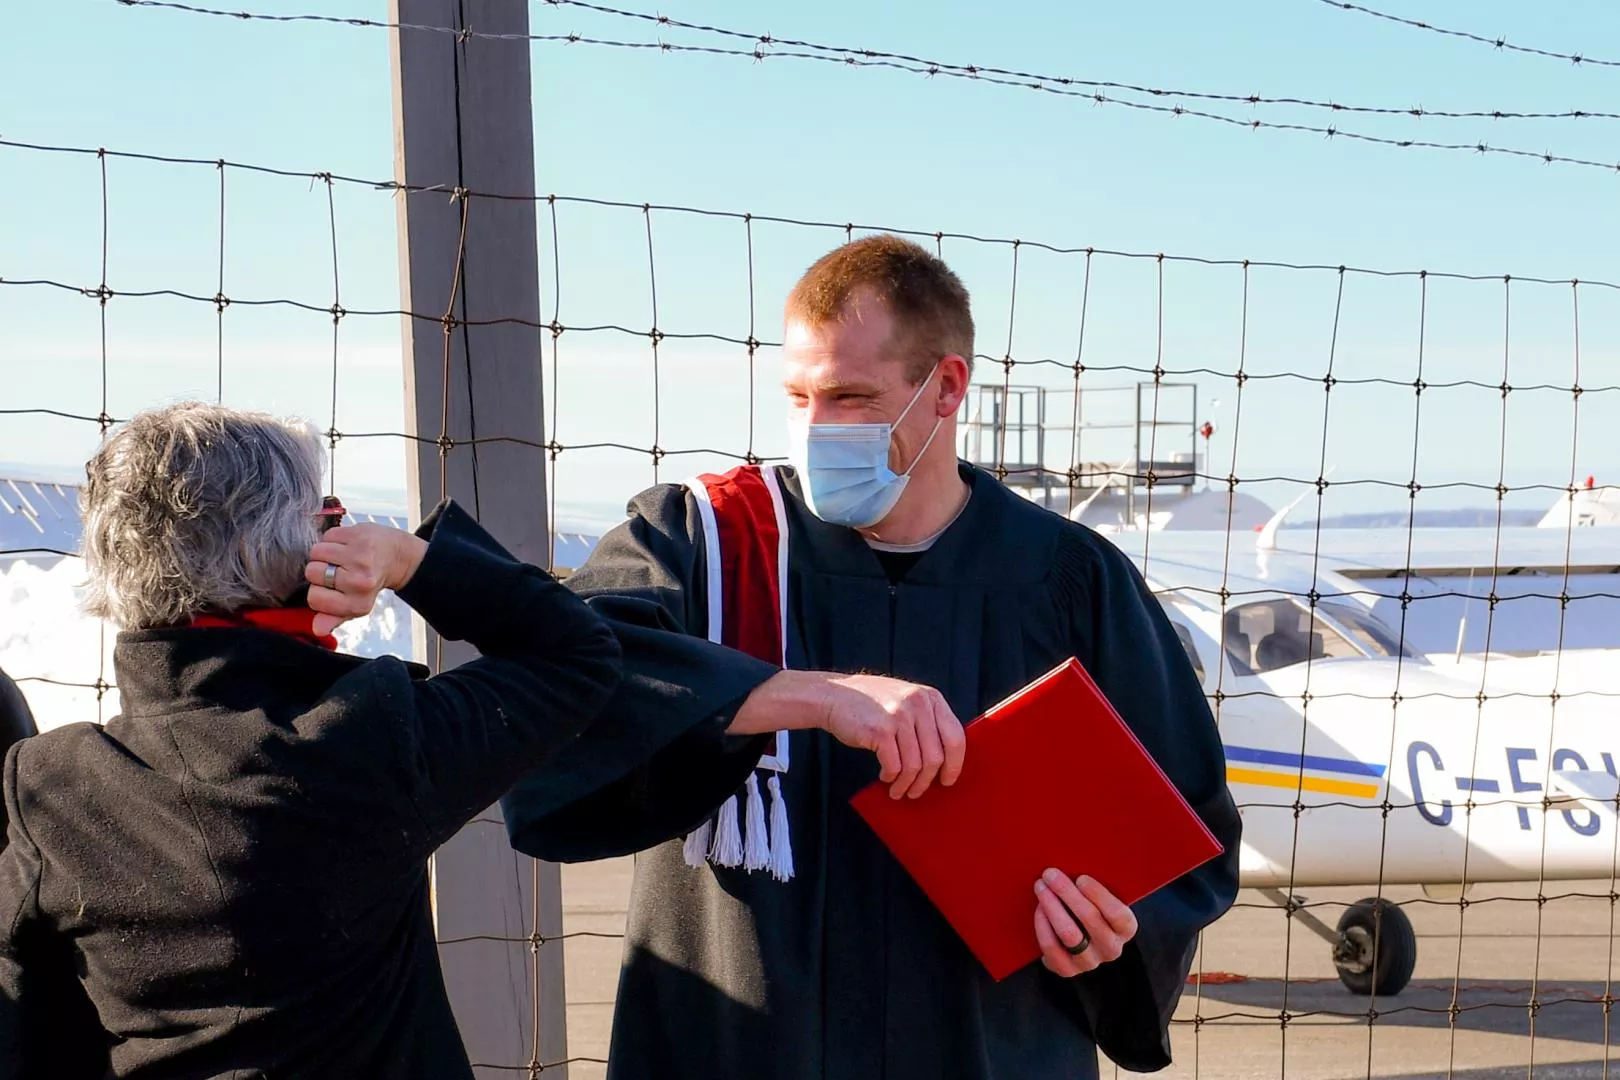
{"points": [[953, 384]]}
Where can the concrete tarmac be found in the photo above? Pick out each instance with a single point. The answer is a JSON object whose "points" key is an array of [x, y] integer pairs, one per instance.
{"points": [[1505, 987]]}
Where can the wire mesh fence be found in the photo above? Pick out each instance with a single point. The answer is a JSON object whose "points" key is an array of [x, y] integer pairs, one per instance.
{"points": [[1417, 718]]}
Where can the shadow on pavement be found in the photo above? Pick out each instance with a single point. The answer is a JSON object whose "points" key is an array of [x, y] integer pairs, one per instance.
{"points": [[1564, 1010], [1569, 1070]]}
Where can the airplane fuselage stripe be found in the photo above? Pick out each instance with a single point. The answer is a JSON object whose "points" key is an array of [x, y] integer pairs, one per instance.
{"points": [[1325, 785], [1256, 756]]}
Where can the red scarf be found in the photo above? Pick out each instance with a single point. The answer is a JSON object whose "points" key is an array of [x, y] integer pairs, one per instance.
{"points": [[297, 622]]}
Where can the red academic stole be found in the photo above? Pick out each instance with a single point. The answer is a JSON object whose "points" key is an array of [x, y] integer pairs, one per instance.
{"points": [[745, 542]]}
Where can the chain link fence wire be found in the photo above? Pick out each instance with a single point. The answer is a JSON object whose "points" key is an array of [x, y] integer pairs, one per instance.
{"points": [[1406, 775]]}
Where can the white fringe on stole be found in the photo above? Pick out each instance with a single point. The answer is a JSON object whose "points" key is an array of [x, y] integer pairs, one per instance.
{"points": [[757, 855], [781, 842], [696, 848], [754, 838], [728, 846]]}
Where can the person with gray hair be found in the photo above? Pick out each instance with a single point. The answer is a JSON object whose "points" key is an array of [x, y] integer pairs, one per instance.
{"points": [[198, 508], [230, 877]]}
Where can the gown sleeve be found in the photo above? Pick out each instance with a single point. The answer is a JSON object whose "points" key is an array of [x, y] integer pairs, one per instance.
{"points": [[1127, 644], [657, 761]]}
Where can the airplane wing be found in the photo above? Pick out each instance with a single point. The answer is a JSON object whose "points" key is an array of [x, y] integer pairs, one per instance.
{"points": [[1519, 590]]}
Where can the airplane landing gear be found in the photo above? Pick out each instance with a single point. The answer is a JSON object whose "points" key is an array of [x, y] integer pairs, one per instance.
{"points": [[1377, 948], [1374, 946]]}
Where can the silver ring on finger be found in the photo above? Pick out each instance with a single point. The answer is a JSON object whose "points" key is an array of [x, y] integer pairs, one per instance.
{"points": [[329, 579], [1085, 943]]}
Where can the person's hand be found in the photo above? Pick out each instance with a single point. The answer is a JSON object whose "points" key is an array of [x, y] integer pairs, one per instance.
{"points": [[1069, 914], [368, 559], [910, 728], [916, 737]]}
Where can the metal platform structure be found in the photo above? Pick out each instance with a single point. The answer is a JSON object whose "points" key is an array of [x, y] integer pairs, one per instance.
{"points": [[1060, 447]]}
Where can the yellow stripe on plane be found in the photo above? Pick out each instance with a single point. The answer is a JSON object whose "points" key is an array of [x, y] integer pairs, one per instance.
{"points": [[1295, 782]]}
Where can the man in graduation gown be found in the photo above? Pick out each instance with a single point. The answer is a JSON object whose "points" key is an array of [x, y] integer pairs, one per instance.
{"points": [[800, 948]]}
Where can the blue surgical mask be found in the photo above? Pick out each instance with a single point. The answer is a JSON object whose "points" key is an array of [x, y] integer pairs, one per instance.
{"points": [[844, 471]]}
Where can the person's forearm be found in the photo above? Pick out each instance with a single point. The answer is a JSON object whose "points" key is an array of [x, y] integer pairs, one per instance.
{"points": [[909, 727], [787, 701]]}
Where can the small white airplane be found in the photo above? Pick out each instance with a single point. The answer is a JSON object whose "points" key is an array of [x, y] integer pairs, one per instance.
{"points": [[1358, 759]]}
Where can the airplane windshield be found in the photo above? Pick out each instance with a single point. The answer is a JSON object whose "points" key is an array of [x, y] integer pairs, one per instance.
{"points": [[1369, 631], [1272, 634]]}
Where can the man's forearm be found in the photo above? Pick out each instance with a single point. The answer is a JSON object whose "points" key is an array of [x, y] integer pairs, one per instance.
{"points": [[787, 701], [909, 727]]}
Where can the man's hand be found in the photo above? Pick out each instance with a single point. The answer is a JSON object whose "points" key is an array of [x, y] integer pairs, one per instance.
{"points": [[913, 732], [916, 737], [1071, 913], [369, 559]]}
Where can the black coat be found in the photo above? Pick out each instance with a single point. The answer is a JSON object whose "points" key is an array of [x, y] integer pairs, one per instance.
{"points": [[236, 865], [16, 719]]}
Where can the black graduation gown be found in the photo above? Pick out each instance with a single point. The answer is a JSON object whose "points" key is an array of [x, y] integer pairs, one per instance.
{"points": [[848, 972]]}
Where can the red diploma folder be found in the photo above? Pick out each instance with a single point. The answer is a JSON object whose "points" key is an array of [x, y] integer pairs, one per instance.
{"points": [[1052, 777]]}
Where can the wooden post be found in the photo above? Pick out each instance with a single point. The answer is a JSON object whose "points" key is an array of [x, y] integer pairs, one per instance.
{"points": [[463, 122]]}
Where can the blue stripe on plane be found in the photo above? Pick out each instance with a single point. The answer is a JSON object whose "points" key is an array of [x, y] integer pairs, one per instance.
{"points": [[1257, 756]]}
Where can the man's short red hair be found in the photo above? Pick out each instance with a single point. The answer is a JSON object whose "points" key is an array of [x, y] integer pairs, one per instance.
{"points": [[929, 304]]}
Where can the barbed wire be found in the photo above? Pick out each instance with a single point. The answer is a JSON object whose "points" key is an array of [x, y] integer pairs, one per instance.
{"points": [[1030, 77], [938, 66], [1062, 86], [1496, 42]]}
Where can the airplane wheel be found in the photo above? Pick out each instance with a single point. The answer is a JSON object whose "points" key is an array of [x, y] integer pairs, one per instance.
{"points": [[1375, 926]]}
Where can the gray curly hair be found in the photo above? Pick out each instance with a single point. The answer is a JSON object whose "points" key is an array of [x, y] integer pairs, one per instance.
{"points": [[197, 507]]}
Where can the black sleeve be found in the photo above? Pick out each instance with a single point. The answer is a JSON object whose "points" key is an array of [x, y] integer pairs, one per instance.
{"points": [[48, 1026], [1126, 642], [16, 719], [659, 760], [547, 666], [16, 723]]}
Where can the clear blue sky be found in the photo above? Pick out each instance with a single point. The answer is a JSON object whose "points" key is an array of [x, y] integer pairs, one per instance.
{"points": [[876, 147]]}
